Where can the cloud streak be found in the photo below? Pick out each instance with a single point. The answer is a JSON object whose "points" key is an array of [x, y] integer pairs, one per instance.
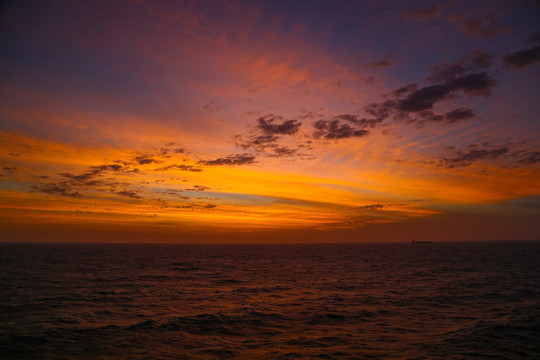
{"points": [[231, 160]]}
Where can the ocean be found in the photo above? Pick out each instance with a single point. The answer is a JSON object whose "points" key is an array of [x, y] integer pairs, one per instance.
{"points": [[335, 301]]}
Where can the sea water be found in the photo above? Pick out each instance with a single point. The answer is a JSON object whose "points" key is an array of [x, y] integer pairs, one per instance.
{"points": [[332, 301]]}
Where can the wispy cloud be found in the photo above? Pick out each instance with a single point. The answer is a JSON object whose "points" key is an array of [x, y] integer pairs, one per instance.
{"points": [[231, 160], [462, 159]]}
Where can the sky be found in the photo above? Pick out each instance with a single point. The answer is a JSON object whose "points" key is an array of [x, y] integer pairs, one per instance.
{"points": [[269, 121]]}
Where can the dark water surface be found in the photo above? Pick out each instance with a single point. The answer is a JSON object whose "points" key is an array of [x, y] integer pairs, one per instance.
{"points": [[90, 301]]}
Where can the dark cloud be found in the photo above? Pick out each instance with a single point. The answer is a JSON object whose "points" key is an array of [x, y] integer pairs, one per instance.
{"points": [[410, 104], [522, 59], [86, 179], [336, 129], [476, 61], [453, 116], [485, 151], [424, 98], [415, 104], [527, 157], [259, 143], [174, 192], [62, 188], [129, 193], [477, 84], [276, 125], [237, 159], [266, 136], [180, 167], [346, 126], [192, 206], [483, 27], [459, 114], [92, 180], [371, 207], [199, 188], [146, 159], [357, 121], [463, 159], [107, 167], [284, 151]]}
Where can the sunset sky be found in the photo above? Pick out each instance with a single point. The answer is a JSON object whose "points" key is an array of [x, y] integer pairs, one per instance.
{"points": [[269, 121]]}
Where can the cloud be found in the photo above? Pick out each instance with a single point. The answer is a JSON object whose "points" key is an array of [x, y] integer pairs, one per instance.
{"points": [[414, 104], [424, 98], [199, 188], [72, 184], [86, 179], [371, 207], [475, 61], [459, 114], [192, 206], [113, 167], [522, 59], [344, 126], [527, 157], [129, 193], [145, 159], [180, 167], [476, 153], [259, 143], [477, 84], [267, 134], [61, 188], [284, 151], [275, 125], [336, 129], [463, 159], [237, 159]]}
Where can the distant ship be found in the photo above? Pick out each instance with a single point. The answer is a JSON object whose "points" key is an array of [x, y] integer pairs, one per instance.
{"points": [[422, 242]]}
